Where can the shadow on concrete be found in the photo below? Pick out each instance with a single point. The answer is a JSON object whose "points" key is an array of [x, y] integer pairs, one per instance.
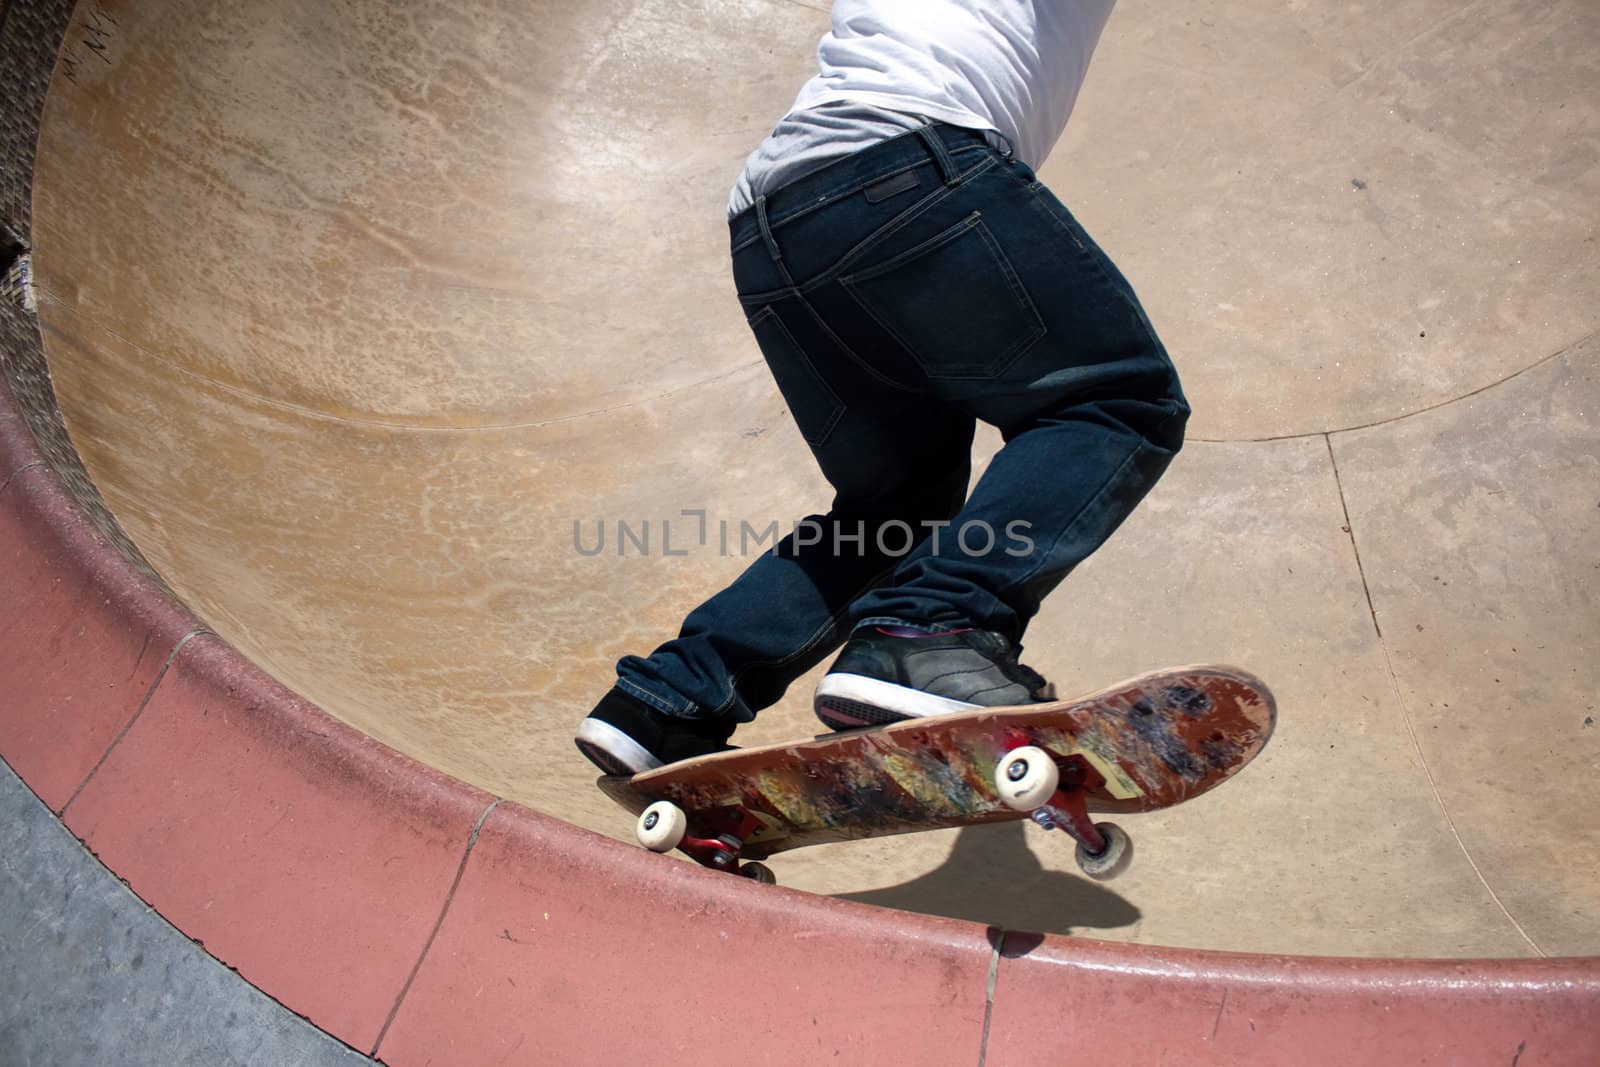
{"points": [[993, 878]]}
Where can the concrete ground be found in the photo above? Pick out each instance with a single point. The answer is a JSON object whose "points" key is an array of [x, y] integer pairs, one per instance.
{"points": [[355, 312], [107, 980]]}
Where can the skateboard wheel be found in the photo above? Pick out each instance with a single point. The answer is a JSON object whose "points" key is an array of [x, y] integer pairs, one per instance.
{"points": [[1026, 778], [661, 826], [759, 872], [1111, 862]]}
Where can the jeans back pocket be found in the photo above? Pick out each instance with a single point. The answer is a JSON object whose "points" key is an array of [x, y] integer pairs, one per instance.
{"points": [[954, 303], [813, 403]]}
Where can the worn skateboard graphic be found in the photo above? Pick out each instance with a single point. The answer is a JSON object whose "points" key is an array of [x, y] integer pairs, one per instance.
{"points": [[1144, 744]]}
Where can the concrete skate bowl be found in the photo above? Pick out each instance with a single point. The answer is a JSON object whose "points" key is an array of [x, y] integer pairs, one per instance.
{"points": [[352, 328]]}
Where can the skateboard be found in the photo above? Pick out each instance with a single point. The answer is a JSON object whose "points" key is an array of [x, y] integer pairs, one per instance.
{"points": [[1144, 744]]}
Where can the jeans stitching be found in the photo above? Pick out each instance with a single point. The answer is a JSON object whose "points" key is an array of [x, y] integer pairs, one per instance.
{"points": [[1014, 280], [1005, 361], [828, 196], [810, 643], [934, 196], [938, 240], [896, 224], [664, 706], [849, 352], [1114, 477], [844, 283], [838, 404], [1001, 362], [876, 236], [825, 198], [1120, 287]]}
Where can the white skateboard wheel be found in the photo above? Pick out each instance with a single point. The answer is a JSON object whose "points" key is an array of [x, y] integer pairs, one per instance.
{"points": [[1026, 778], [661, 826], [1113, 860]]}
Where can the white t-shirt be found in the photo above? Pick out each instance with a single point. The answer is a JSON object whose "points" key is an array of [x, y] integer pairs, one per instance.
{"points": [[1010, 67]]}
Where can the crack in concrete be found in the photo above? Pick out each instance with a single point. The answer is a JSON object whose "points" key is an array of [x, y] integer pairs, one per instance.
{"points": [[150, 694], [988, 997], [1497, 383], [427, 947], [1406, 717]]}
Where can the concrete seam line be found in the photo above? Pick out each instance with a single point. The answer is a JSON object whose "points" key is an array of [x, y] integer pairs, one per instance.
{"points": [[143, 704], [1468, 395], [37, 464], [427, 946], [988, 995], [1350, 531], [1405, 715]]}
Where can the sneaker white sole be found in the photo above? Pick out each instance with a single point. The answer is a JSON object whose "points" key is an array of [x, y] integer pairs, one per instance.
{"points": [[612, 750], [847, 701]]}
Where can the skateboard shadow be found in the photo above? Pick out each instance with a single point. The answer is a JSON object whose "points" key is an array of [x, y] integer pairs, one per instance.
{"points": [[992, 877]]}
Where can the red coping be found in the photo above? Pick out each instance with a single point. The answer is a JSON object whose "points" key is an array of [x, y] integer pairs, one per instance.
{"points": [[84, 645], [1134, 1005], [347, 882], [565, 947], [302, 853]]}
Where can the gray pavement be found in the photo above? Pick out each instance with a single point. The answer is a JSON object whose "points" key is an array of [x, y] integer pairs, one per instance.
{"points": [[90, 975]]}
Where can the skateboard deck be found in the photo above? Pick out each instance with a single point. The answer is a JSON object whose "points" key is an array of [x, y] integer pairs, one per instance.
{"points": [[1147, 743]]}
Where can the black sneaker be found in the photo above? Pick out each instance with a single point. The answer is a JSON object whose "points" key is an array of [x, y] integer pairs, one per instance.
{"points": [[886, 675], [624, 735]]}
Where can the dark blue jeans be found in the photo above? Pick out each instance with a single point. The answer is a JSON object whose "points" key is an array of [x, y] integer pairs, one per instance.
{"points": [[899, 295]]}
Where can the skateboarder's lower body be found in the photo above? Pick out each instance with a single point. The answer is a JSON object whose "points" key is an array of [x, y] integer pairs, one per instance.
{"points": [[899, 295]]}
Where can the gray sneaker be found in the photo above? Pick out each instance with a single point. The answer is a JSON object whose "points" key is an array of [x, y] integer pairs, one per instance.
{"points": [[886, 675]]}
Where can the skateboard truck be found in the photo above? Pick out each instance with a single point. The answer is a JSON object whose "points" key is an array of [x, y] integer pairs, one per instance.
{"points": [[1054, 791], [663, 826]]}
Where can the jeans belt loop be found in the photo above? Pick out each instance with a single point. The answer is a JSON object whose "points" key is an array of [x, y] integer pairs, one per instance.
{"points": [[766, 230], [947, 166]]}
